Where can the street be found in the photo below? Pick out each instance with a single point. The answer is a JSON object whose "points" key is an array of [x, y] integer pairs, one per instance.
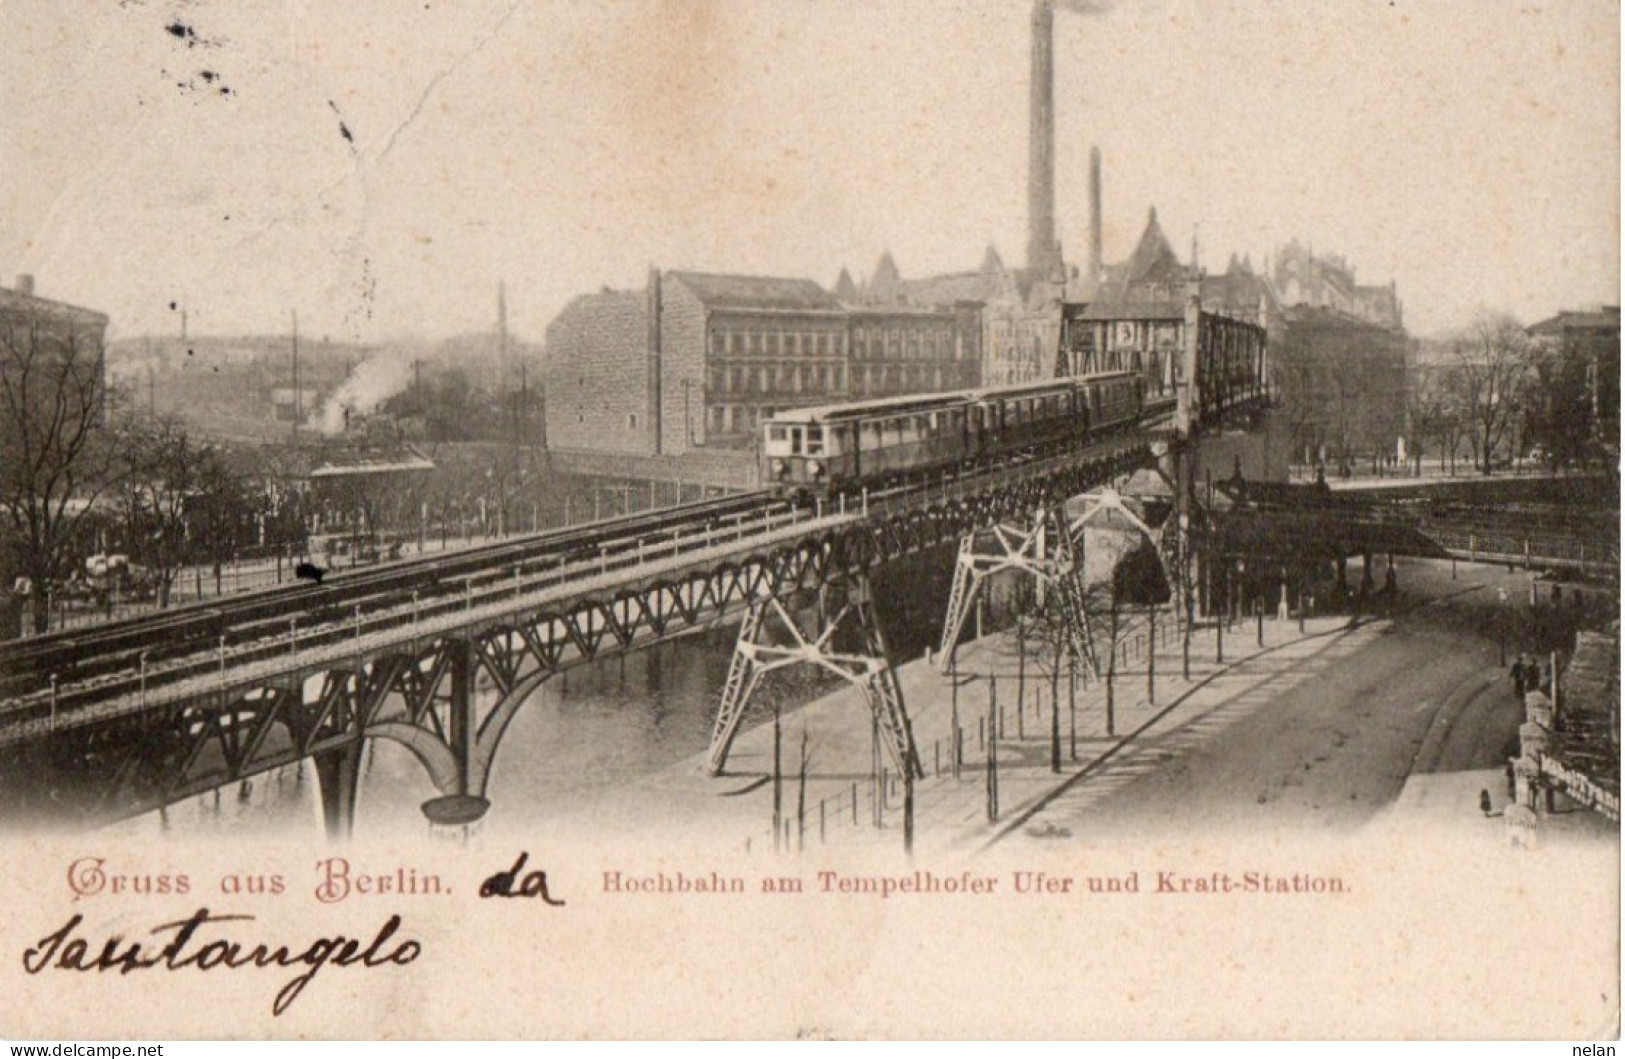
{"points": [[1331, 738]]}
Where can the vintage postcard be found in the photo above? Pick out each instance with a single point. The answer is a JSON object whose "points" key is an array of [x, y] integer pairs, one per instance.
{"points": [[768, 519]]}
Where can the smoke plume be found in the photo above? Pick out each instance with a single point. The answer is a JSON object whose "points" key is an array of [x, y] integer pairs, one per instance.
{"points": [[376, 379]]}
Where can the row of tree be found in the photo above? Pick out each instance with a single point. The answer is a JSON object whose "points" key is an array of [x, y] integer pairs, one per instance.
{"points": [[1486, 394], [83, 472], [1502, 394]]}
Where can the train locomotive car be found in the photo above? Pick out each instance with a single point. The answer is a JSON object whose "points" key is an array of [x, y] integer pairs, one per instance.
{"points": [[829, 448]]}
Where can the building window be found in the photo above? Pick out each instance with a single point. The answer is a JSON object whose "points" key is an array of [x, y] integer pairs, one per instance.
{"points": [[632, 421]]}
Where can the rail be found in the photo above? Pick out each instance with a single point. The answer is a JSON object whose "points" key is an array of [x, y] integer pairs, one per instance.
{"points": [[478, 598]]}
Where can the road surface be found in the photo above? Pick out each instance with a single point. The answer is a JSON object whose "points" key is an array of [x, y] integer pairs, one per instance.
{"points": [[1327, 741]]}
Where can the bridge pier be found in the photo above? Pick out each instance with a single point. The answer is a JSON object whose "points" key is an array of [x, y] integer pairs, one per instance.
{"points": [[868, 667], [1046, 550], [462, 798], [338, 774]]}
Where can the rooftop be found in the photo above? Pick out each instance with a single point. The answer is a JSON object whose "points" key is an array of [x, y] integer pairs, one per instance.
{"points": [[722, 291]]}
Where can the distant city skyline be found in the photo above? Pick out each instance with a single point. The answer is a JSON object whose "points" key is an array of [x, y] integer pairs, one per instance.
{"points": [[381, 173]]}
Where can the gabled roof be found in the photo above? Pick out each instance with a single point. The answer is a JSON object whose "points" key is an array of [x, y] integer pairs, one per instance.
{"points": [[845, 289], [347, 461], [1153, 260], [721, 291], [887, 282]]}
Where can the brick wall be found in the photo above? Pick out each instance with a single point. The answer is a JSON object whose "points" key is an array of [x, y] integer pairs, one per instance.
{"points": [[682, 365], [598, 375]]}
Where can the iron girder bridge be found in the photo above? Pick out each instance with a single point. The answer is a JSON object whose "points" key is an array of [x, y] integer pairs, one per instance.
{"points": [[440, 654], [410, 671]]}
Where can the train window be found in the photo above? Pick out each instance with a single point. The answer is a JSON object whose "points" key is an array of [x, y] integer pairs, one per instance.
{"points": [[776, 433], [795, 441], [815, 441]]}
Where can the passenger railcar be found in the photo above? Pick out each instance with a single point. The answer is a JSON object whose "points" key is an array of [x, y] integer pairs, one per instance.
{"points": [[810, 448], [828, 448]]}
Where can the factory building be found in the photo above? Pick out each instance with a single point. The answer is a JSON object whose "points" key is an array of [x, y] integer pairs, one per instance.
{"points": [[697, 360]]}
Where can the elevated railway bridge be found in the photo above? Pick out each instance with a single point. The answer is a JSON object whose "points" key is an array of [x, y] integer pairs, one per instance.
{"points": [[1264, 519], [439, 654]]}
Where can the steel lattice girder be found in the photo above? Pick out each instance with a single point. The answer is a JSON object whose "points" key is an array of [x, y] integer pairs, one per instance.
{"points": [[174, 752]]}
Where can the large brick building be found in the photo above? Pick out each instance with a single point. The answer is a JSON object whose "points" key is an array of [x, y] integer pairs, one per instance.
{"points": [[697, 360], [1577, 363], [1342, 383], [1327, 281], [1016, 314], [31, 326]]}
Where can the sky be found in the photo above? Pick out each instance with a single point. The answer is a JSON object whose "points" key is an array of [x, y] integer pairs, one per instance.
{"points": [[380, 167]]}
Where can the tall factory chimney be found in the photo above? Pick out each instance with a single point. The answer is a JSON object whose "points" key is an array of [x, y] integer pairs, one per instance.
{"points": [[1092, 281], [1041, 143]]}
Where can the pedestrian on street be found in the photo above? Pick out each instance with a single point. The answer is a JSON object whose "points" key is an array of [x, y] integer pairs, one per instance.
{"points": [[1518, 677]]}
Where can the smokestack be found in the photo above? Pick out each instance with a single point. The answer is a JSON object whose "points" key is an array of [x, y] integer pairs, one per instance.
{"points": [[25, 284], [1041, 143], [1092, 283]]}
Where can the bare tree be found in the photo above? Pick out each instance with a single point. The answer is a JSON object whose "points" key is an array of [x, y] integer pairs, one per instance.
{"points": [[169, 473], [1435, 413], [1302, 400], [55, 459], [1491, 364]]}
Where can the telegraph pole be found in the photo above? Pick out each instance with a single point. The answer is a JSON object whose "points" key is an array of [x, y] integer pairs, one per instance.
{"points": [[296, 410]]}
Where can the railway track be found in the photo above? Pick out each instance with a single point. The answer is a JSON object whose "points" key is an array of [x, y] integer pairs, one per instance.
{"points": [[118, 669], [84, 657]]}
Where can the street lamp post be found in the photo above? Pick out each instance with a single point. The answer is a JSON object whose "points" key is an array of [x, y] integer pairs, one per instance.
{"points": [[1501, 621]]}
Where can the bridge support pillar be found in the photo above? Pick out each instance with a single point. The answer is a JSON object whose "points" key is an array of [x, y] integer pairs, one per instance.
{"points": [[338, 772], [1047, 551], [464, 727], [760, 650], [462, 800]]}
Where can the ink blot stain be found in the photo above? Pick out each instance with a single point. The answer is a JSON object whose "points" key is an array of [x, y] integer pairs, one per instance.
{"points": [[344, 129], [181, 31]]}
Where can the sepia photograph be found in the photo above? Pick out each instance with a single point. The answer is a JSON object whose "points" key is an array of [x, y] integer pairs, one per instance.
{"points": [[785, 519]]}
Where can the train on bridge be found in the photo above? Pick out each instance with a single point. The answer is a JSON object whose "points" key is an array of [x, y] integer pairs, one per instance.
{"points": [[831, 449]]}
